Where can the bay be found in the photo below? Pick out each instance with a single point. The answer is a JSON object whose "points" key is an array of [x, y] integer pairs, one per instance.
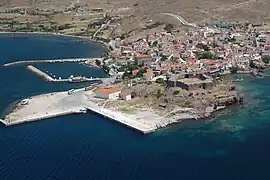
{"points": [[80, 147]]}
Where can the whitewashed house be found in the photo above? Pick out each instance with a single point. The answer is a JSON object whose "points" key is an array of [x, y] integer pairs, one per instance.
{"points": [[107, 93]]}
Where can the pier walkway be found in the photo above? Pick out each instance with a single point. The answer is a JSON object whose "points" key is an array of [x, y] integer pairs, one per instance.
{"points": [[51, 61], [3, 122], [61, 103], [51, 79]]}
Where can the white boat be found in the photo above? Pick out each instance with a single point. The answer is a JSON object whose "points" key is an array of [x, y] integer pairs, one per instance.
{"points": [[237, 80], [83, 110], [71, 91], [25, 101]]}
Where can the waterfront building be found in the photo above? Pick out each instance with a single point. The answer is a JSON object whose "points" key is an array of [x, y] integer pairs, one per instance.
{"points": [[107, 92]]}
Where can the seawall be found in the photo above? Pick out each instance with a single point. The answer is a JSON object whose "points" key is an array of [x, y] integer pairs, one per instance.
{"points": [[121, 119], [40, 73], [41, 117], [50, 79], [51, 61]]}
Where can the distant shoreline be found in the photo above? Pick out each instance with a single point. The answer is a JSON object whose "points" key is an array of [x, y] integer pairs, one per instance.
{"points": [[104, 44]]}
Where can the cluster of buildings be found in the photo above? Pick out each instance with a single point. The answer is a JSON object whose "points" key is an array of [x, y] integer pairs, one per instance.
{"points": [[190, 61]]}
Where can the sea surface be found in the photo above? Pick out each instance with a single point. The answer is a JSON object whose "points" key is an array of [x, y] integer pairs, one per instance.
{"points": [[234, 146]]}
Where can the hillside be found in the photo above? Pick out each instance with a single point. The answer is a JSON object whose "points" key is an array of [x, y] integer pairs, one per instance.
{"points": [[134, 14]]}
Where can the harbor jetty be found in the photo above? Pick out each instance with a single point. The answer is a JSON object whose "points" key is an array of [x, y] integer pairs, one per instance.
{"points": [[62, 103], [3, 122], [53, 61], [51, 79], [40, 73]]}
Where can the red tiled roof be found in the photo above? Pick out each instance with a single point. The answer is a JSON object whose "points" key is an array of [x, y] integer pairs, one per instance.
{"points": [[148, 73], [108, 90], [143, 56], [124, 93]]}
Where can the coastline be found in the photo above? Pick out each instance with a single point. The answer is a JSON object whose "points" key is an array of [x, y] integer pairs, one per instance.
{"points": [[165, 122], [44, 106], [102, 43]]}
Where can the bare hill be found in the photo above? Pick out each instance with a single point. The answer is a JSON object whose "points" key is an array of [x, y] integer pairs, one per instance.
{"points": [[135, 13], [192, 10]]}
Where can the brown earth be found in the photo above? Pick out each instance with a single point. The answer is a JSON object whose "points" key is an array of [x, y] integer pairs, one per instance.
{"points": [[135, 14]]}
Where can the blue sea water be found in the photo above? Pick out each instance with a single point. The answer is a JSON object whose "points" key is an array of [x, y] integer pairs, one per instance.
{"points": [[233, 146]]}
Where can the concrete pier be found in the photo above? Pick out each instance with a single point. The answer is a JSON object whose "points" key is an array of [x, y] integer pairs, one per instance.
{"points": [[50, 79], [4, 122], [61, 103], [52, 61], [40, 73], [45, 116], [122, 119]]}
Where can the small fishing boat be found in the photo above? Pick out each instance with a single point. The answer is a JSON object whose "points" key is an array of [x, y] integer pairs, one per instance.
{"points": [[81, 110], [260, 74], [25, 101], [237, 80]]}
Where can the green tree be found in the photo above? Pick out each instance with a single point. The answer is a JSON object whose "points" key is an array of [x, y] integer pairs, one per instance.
{"points": [[205, 55], [266, 59], [168, 28], [141, 72], [234, 69], [203, 46], [163, 57], [252, 64], [160, 81], [106, 68], [159, 93], [126, 75], [176, 92], [154, 44]]}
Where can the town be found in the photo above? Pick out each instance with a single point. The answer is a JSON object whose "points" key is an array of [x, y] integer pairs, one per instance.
{"points": [[165, 71], [164, 78]]}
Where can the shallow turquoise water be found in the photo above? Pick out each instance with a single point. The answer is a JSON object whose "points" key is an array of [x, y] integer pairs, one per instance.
{"points": [[233, 146]]}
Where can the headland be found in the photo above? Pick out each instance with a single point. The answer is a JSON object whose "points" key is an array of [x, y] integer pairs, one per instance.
{"points": [[164, 78], [133, 113]]}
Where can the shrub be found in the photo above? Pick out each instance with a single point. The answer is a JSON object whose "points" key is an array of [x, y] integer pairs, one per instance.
{"points": [[234, 69], [266, 59], [160, 81], [168, 28], [141, 72], [98, 63], [176, 92]]}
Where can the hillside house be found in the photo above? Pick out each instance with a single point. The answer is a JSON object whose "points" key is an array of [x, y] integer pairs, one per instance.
{"points": [[148, 76], [125, 95]]}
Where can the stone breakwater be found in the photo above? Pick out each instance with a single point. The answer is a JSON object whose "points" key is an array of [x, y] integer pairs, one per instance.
{"points": [[40, 73], [52, 61], [50, 79]]}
